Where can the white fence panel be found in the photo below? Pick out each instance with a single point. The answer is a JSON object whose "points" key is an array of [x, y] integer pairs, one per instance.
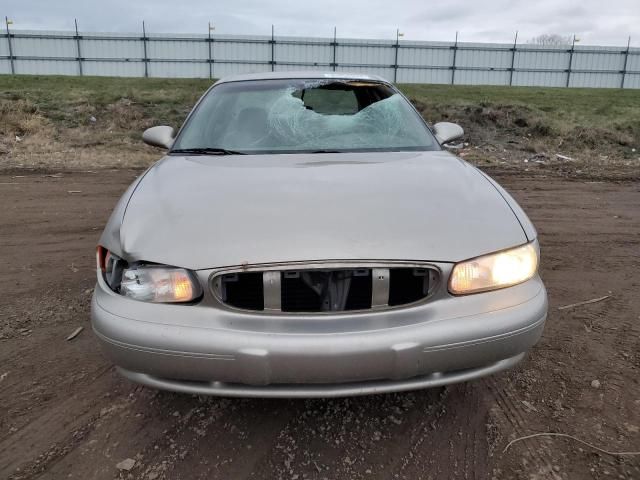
{"points": [[113, 69], [47, 67], [249, 49], [484, 55], [5, 62], [223, 69], [481, 77], [178, 69], [542, 58], [597, 80], [177, 49], [99, 46], [539, 79], [613, 59], [51, 44], [632, 81], [365, 52], [633, 62], [424, 75], [311, 51], [203, 56]]}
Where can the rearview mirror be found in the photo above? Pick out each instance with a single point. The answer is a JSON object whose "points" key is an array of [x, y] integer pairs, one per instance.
{"points": [[447, 131], [161, 136]]}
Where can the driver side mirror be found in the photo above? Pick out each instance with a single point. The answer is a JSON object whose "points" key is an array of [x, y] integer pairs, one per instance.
{"points": [[161, 136], [445, 132]]}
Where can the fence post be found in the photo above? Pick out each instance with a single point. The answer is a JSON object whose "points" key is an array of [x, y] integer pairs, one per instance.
{"points": [[335, 45], [144, 47], [513, 59], [273, 49], [453, 63], [13, 68], [395, 63], [573, 46], [75, 20], [210, 43], [626, 59]]}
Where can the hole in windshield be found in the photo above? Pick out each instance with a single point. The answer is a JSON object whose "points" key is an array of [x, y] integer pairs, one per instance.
{"points": [[288, 116]]}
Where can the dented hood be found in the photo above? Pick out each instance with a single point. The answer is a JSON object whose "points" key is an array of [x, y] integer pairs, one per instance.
{"points": [[211, 211]]}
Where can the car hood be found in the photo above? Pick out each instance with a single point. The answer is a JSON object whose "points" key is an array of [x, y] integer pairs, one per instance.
{"points": [[211, 211]]}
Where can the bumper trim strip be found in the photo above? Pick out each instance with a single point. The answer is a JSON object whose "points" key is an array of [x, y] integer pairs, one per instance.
{"points": [[221, 389]]}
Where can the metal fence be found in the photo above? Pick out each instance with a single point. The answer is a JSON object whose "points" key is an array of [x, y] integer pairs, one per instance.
{"points": [[209, 56]]}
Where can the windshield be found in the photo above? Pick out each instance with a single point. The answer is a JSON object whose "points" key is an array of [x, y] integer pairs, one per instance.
{"points": [[287, 116]]}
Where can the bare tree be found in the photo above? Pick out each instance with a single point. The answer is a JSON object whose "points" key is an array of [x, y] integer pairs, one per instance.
{"points": [[551, 39]]}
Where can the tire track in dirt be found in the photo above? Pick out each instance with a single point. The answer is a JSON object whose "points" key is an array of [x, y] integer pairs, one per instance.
{"points": [[348, 438], [461, 418], [412, 452], [135, 423], [32, 379], [46, 440], [392, 436], [539, 457], [226, 438]]}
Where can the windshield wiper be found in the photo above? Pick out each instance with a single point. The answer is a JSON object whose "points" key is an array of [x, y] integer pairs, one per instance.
{"points": [[325, 151], [207, 151]]}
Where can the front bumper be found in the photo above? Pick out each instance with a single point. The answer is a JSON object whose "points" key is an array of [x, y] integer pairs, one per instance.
{"points": [[203, 350]]}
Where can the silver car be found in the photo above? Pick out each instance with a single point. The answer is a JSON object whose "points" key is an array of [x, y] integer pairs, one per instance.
{"points": [[307, 236]]}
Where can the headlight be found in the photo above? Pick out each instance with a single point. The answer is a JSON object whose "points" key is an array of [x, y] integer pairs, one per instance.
{"points": [[148, 283], [159, 284], [497, 270]]}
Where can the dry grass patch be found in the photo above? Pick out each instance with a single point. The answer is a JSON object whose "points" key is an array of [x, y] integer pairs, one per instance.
{"points": [[95, 122]]}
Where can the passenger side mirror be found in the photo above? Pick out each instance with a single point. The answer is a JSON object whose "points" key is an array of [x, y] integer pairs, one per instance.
{"points": [[161, 136], [445, 132]]}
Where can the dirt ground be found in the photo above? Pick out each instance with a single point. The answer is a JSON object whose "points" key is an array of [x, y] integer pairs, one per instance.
{"points": [[65, 413]]}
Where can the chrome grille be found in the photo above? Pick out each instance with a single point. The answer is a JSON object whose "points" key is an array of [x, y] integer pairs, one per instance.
{"points": [[316, 289]]}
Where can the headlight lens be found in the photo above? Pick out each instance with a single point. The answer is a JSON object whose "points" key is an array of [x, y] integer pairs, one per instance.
{"points": [[497, 270], [148, 283], [159, 284]]}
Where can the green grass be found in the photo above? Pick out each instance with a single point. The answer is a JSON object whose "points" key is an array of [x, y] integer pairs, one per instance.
{"points": [[57, 97], [53, 114], [171, 99], [593, 107]]}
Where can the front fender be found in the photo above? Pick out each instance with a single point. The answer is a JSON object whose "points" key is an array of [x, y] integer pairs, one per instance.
{"points": [[110, 238]]}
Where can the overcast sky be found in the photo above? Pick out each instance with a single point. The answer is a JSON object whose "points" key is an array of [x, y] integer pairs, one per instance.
{"points": [[595, 22]]}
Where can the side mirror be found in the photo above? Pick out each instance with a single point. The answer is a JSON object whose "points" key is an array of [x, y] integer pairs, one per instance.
{"points": [[161, 136], [446, 131]]}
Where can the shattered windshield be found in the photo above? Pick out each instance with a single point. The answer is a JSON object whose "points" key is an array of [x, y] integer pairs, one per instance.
{"points": [[287, 116]]}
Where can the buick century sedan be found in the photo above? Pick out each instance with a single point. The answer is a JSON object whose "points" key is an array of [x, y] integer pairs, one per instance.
{"points": [[306, 235]]}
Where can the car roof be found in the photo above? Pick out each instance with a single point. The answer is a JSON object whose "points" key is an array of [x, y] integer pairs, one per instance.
{"points": [[311, 74]]}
